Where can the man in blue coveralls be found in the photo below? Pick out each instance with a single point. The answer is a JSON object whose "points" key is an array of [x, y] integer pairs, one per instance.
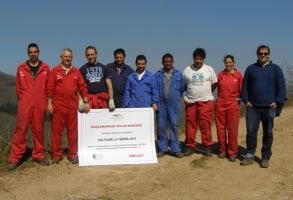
{"points": [[170, 88]]}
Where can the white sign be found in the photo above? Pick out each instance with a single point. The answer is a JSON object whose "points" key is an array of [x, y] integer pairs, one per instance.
{"points": [[125, 136]]}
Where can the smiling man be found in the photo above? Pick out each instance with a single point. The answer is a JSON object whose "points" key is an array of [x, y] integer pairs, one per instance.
{"points": [[201, 81], [263, 92]]}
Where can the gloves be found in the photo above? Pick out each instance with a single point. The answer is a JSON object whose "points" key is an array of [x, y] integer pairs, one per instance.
{"points": [[111, 105], [80, 105]]}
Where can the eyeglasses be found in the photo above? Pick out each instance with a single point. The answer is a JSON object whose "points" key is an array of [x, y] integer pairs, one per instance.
{"points": [[260, 54]]}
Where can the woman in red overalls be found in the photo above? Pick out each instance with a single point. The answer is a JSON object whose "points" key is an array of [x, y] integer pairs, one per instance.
{"points": [[227, 109]]}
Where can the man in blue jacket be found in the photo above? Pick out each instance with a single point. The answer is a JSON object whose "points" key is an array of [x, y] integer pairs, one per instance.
{"points": [[141, 87], [119, 72], [263, 92], [170, 88]]}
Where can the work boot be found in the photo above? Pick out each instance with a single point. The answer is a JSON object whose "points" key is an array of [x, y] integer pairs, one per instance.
{"points": [[73, 160], [188, 151], [222, 155], [161, 154], [232, 159], [55, 162], [246, 161], [208, 152], [264, 163], [179, 155], [43, 162], [12, 166]]}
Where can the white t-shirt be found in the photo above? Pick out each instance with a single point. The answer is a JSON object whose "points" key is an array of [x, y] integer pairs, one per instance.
{"points": [[198, 82]]}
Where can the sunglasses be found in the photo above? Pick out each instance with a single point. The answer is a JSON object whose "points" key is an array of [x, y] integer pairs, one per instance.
{"points": [[260, 54]]}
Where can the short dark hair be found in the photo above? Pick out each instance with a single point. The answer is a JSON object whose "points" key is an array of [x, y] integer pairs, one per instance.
{"points": [[167, 55], [91, 47], [140, 57], [199, 52], [118, 51], [33, 45], [263, 47], [228, 56]]}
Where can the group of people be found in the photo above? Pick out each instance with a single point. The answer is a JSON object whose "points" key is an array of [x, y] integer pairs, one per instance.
{"points": [[117, 85]]}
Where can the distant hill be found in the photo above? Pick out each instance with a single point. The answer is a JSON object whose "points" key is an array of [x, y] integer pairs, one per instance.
{"points": [[8, 99]]}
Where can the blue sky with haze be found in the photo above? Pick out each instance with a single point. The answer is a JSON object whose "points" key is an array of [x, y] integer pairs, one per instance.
{"points": [[151, 27]]}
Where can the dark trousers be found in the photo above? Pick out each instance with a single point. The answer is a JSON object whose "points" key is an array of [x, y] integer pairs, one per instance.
{"points": [[253, 118]]}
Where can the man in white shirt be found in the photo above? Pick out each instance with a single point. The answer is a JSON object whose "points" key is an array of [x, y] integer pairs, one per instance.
{"points": [[201, 81]]}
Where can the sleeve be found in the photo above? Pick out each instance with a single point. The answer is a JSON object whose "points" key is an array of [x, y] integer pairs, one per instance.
{"points": [[280, 86], [107, 72], [240, 81], [51, 84], [127, 93], [183, 85], [17, 84], [244, 92], [82, 86], [155, 95]]}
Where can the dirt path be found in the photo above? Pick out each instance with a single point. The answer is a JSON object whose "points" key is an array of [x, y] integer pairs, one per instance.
{"points": [[191, 177]]}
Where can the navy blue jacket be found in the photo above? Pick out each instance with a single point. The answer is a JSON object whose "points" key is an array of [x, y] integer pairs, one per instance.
{"points": [[177, 87], [264, 85], [140, 93], [119, 82]]}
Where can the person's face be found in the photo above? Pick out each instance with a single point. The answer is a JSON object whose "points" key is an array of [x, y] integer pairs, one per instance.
{"points": [[229, 64], [167, 63], [198, 61], [263, 55], [66, 58], [140, 66], [33, 54], [119, 58], [91, 56]]}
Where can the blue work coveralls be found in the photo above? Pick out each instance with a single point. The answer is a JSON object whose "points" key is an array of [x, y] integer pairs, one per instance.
{"points": [[168, 113], [140, 93]]}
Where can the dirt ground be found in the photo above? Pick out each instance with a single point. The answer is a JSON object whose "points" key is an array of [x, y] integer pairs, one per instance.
{"points": [[191, 177]]}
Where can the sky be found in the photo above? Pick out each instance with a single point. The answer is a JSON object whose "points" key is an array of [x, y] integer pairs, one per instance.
{"points": [[150, 27]]}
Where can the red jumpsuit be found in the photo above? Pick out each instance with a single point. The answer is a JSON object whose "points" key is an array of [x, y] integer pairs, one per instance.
{"points": [[32, 104], [63, 89], [227, 111]]}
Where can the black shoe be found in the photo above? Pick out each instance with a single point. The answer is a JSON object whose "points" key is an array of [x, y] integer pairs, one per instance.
{"points": [[12, 166], [188, 151], [73, 160], [264, 163], [208, 152], [161, 154], [55, 162], [43, 162], [179, 154]]}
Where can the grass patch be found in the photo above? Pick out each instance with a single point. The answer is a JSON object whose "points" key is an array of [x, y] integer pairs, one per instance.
{"points": [[200, 163]]}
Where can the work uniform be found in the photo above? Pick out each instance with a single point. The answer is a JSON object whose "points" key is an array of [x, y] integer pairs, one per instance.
{"points": [[199, 104], [119, 77], [62, 88], [227, 111], [168, 113], [32, 104], [140, 93]]}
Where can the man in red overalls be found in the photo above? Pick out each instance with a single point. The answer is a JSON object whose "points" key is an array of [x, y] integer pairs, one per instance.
{"points": [[31, 80], [64, 84]]}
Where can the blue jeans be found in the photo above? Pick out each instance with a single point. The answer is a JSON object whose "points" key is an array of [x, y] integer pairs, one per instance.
{"points": [[253, 118]]}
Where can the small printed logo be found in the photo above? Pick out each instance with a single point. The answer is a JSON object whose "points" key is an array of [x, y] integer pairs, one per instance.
{"points": [[21, 73], [58, 76], [117, 116]]}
